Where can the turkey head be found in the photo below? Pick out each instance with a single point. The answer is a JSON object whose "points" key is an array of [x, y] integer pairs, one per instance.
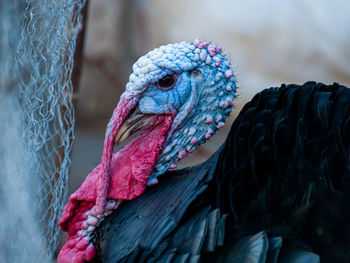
{"points": [[177, 97]]}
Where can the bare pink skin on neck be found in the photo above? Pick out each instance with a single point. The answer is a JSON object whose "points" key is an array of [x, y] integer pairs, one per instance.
{"points": [[120, 176]]}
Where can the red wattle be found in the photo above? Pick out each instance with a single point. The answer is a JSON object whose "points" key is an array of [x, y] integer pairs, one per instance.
{"points": [[129, 170]]}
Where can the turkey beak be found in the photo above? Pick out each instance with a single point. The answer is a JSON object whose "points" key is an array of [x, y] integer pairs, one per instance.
{"points": [[135, 122]]}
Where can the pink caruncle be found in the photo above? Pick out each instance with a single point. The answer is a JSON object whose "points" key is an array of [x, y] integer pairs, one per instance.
{"points": [[120, 176]]}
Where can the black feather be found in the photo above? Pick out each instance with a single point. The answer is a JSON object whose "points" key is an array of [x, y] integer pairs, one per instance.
{"points": [[290, 175], [281, 180]]}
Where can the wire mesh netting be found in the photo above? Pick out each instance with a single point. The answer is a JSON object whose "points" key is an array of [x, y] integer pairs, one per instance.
{"points": [[44, 64]]}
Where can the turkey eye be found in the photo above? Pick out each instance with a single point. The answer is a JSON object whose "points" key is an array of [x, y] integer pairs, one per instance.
{"points": [[166, 82]]}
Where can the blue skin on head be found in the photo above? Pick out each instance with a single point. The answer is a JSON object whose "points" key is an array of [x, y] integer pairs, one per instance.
{"points": [[201, 95], [157, 101]]}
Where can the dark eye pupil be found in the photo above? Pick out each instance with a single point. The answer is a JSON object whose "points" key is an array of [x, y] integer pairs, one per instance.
{"points": [[166, 82]]}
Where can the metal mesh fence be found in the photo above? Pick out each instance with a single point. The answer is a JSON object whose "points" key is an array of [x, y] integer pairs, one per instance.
{"points": [[44, 64]]}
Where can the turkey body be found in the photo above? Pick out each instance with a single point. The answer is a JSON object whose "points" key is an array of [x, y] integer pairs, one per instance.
{"points": [[278, 190]]}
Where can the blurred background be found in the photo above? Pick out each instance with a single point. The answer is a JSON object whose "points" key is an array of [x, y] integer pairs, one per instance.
{"points": [[269, 42]]}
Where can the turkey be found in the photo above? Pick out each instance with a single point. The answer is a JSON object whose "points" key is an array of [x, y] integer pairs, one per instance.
{"points": [[275, 191]]}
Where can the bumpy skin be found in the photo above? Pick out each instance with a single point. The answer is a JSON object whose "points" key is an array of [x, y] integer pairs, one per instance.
{"points": [[204, 75], [180, 124]]}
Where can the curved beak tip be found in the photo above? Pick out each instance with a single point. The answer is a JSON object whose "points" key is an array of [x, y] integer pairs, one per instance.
{"points": [[135, 122]]}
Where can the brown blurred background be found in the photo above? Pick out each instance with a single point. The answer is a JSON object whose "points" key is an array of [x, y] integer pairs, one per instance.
{"points": [[269, 42]]}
